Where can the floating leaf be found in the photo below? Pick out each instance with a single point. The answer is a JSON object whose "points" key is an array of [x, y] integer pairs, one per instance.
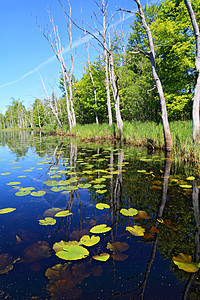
{"points": [[6, 210], [99, 186], [101, 191], [186, 186], [136, 230], [71, 188], [51, 182], [47, 221], [58, 189], [51, 211], [184, 262], [102, 257], [7, 173], [63, 213], [59, 246], [73, 252], [23, 193], [100, 229], [31, 188], [84, 186], [119, 256], [88, 241], [141, 171], [6, 263], [21, 176], [13, 183], [102, 205], [129, 212], [38, 194], [56, 176], [190, 178]]}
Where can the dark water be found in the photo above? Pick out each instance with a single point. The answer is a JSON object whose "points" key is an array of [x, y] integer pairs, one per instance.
{"points": [[139, 267]]}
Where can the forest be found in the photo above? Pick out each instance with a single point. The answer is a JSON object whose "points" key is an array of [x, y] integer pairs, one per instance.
{"points": [[118, 85]]}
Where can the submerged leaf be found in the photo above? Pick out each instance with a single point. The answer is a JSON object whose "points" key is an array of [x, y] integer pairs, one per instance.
{"points": [[47, 221], [100, 229], [7, 210], [129, 212], [102, 257], [102, 205], [117, 246], [88, 241], [136, 230], [63, 213]]}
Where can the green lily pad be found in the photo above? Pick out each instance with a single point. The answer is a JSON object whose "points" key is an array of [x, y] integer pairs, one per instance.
{"points": [[102, 257], [99, 186], [101, 191], [23, 193], [21, 176], [102, 205], [73, 252], [38, 194], [184, 262], [71, 188], [186, 186], [51, 182], [7, 210], [129, 212], [88, 241], [141, 171], [7, 173], [56, 176], [100, 229], [84, 186], [59, 246], [136, 230], [58, 189], [13, 183], [63, 213], [31, 188], [47, 221], [190, 178]]}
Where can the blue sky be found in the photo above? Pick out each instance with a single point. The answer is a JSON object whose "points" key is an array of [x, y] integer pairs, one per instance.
{"points": [[25, 54]]}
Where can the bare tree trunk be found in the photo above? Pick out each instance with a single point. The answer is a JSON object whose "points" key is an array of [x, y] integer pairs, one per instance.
{"points": [[54, 110], [106, 63], [196, 98], [115, 93], [166, 130]]}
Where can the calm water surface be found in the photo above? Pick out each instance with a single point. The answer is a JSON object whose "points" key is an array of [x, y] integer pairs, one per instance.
{"points": [[42, 175]]}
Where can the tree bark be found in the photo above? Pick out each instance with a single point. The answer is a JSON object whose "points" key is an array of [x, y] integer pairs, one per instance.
{"points": [[196, 98], [158, 84]]}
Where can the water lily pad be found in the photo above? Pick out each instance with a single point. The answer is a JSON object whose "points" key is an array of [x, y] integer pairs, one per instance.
{"points": [[141, 171], [59, 246], [88, 241], [47, 221], [56, 176], [21, 176], [102, 257], [100, 228], [38, 194], [63, 213], [190, 178], [99, 186], [186, 186], [102, 205], [13, 183], [23, 193], [71, 188], [58, 189], [84, 186], [7, 210], [101, 191], [31, 188], [73, 252], [136, 230], [129, 212], [51, 182], [184, 262], [7, 173]]}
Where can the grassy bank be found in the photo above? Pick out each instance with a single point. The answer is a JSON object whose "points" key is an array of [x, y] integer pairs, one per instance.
{"points": [[148, 134]]}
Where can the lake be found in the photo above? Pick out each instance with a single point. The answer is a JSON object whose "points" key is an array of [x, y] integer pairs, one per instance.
{"points": [[95, 221]]}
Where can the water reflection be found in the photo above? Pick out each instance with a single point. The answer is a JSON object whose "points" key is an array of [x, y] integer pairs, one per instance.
{"points": [[122, 178]]}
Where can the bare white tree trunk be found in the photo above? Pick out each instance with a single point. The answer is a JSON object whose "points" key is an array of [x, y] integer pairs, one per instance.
{"points": [[53, 109], [166, 130], [103, 9], [196, 98]]}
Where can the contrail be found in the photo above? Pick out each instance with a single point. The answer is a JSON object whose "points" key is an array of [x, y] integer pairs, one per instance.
{"points": [[53, 58]]}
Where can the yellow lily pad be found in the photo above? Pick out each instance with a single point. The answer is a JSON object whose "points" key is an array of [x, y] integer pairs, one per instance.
{"points": [[102, 257], [47, 221], [136, 230], [88, 241], [7, 210]]}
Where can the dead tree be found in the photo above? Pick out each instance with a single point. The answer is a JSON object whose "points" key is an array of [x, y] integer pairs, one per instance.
{"points": [[109, 63], [54, 40], [196, 98], [158, 84]]}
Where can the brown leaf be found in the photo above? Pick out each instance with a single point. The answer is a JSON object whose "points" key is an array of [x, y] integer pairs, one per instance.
{"points": [[141, 215]]}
